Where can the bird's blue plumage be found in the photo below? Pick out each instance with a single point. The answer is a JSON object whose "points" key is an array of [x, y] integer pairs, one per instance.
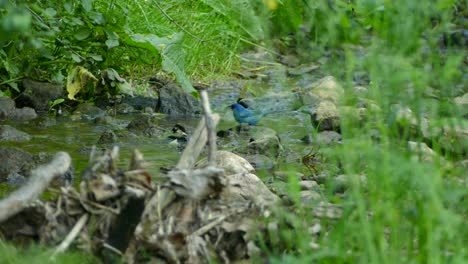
{"points": [[244, 115]]}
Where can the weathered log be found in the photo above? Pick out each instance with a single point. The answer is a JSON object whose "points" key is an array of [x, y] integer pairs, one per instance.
{"points": [[37, 183]]}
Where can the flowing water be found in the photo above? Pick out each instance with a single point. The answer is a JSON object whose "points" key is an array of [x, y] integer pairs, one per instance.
{"points": [[71, 134]]}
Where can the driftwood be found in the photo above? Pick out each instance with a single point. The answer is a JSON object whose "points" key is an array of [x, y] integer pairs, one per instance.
{"points": [[37, 183]]}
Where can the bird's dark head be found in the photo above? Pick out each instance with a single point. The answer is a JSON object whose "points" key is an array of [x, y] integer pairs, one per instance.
{"points": [[236, 106]]}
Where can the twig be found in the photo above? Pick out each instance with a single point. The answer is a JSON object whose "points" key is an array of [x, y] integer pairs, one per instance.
{"points": [[195, 145], [72, 235], [37, 183], [209, 226], [175, 23], [210, 126], [113, 249], [90, 203]]}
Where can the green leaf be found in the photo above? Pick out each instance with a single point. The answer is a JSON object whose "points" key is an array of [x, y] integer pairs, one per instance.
{"points": [[14, 86], [173, 56], [50, 12], [97, 18], [87, 5], [76, 58], [111, 43], [82, 33], [95, 57]]}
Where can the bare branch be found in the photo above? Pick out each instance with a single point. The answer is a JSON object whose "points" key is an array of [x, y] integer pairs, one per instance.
{"points": [[72, 235], [211, 126], [195, 145], [37, 183]]}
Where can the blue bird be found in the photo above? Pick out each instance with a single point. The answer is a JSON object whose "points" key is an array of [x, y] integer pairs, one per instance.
{"points": [[244, 115]]}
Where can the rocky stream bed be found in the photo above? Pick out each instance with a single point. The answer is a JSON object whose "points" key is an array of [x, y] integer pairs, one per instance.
{"points": [[166, 215]]}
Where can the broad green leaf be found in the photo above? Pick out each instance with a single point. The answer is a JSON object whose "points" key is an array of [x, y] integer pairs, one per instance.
{"points": [[76, 58], [95, 57], [111, 43], [82, 33], [50, 12], [173, 56], [68, 7], [97, 18], [14, 86], [87, 5]]}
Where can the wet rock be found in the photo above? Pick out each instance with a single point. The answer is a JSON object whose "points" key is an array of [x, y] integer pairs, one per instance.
{"points": [[247, 187], [140, 102], [302, 69], [264, 141], [38, 94], [462, 103], [122, 108], [323, 138], [342, 182], [258, 57], [175, 102], [326, 88], [259, 161], [308, 185], [422, 151], [107, 137], [15, 179], [144, 124], [23, 114], [360, 90], [308, 196], [8, 133], [88, 112], [451, 136], [274, 102], [230, 162], [326, 116], [7, 105], [290, 60], [284, 175], [12, 160]]}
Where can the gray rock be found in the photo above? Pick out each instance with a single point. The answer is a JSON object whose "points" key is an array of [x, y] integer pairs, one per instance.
{"points": [[272, 102], [462, 103], [7, 105], [88, 112], [422, 151], [308, 185], [175, 102], [259, 161], [230, 162], [9, 133], [15, 179], [38, 94], [328, 137], [284, 175], [264, 141], [144, 124], [326, 116], [140, 102], [247, 187], [107, 137], [13, 160], [23, 114], [124, 108], [308, 196], [326, 89]]}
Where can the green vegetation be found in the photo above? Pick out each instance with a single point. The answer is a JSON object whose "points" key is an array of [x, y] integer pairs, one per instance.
{"points": [[34, 254], [413, 52]]}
